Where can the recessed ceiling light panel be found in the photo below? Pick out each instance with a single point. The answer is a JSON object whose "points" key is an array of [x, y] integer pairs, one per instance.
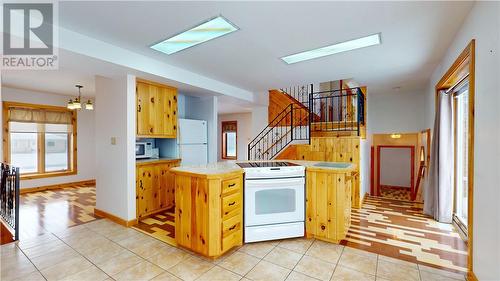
{"points": [[206, 31], [334, 49]]}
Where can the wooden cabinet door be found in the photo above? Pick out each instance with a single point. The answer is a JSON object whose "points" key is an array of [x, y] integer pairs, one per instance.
{"points": [[145, 176], [166, 185], [143, 109], [154, 204], [170, 114]]}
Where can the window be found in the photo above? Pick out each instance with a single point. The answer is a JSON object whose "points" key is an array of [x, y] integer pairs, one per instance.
{"points": [[229, 140], [461, 136], [40, 140]]}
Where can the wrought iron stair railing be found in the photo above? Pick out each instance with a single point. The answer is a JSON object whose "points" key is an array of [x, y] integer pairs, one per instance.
{"points": [[330, 111], [292, 123], [9, 197]]}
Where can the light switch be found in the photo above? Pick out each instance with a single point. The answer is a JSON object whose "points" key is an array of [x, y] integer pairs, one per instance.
{"points": [[113, 140]]}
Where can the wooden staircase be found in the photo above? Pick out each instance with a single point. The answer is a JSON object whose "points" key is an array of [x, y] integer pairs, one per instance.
{"points": [[299, 115]]}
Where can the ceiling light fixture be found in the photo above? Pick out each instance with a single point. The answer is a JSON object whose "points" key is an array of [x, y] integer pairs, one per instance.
{"points": [[350, 45], [204, 32], [396, 136], [76, 104]]}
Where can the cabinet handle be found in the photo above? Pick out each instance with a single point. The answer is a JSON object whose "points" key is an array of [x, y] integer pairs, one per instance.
{"points": [[232, 227], [232, 203], [231, 185]]}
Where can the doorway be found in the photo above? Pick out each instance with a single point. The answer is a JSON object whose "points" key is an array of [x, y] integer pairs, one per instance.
{"points": [[396, 185]]}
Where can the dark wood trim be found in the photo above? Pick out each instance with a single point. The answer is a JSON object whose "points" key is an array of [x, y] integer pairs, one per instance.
{"points": [[372, 168]]}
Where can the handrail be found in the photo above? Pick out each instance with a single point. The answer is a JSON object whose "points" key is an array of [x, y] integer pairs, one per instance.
{"points": [[9, 197], [339, 110]]}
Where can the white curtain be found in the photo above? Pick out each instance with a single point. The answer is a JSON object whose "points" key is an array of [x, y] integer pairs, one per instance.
{"points": [[438, 190]]}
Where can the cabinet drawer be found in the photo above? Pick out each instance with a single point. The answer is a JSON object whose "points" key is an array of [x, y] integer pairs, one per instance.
{"points": [[230, 203], [231, 185], [234, 239], [231, 225]]}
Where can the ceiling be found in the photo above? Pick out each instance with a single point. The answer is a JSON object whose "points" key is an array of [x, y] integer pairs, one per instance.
{"points": [[415, 36]]}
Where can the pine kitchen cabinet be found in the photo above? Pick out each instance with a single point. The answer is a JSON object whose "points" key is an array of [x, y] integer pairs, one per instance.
{"points": [[208, 210], [154, 185], [328, 203], [156, 110]]}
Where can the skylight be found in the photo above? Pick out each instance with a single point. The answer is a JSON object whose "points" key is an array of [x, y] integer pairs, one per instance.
{"points": [[206, 31], [334, 49]]}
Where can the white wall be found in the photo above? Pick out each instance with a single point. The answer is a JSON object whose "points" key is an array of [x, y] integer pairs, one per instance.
{"points": [[395, 159], [259, 119], [400, 112], [115, 118], [205, 109], [85, 135], [244, 134], [364, 169], [481, 24]]}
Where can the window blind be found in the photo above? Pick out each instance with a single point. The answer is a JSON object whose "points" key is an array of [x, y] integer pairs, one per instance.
{"points": [[40, 116]]}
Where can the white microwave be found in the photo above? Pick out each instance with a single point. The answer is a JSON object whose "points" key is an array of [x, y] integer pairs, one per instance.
{"points": [[143, 150]]}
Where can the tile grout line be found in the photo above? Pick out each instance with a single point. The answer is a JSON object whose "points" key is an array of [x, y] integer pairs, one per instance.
{"points": [[36, 268]]}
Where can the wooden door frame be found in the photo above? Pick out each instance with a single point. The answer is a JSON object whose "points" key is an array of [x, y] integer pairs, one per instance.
{"points": [[223, 141], [463, 65], [412, 170]]}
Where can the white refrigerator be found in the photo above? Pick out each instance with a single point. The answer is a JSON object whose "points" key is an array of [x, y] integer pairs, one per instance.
{"points": [[192, 141]]}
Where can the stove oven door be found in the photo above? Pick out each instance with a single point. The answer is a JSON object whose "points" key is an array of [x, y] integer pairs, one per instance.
{"points": [[273, 201]]}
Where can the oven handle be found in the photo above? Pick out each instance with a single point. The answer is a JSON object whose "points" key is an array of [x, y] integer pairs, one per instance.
{"points": [[286, 182]]}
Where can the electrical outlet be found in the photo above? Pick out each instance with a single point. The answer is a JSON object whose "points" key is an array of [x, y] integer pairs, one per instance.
{"points": [[113, 140]]}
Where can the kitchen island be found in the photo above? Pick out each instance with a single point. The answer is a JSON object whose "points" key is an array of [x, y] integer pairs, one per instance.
{"points": [[209, 204]]}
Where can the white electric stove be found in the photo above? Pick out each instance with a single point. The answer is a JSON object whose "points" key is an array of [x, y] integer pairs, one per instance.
{"points": [[274, 199]]}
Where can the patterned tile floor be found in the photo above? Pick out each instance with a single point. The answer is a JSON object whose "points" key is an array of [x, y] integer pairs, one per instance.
{"points": [[161, 226], [399, 229], [55, 210], [395, 192], [103, 250]]}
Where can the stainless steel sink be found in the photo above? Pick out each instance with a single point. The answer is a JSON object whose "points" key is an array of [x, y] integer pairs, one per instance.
{"points": [[333, 165]]}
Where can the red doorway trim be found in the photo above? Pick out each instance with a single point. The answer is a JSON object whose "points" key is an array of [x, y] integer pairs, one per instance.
{"points": [[372, 171], [412, 171]]}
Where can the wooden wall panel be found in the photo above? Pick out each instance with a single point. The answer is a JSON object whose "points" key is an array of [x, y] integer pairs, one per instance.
{"points": [[335, 149]]}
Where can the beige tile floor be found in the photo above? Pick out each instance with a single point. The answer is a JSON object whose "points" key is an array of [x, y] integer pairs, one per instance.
{"points": [[103, 250]]}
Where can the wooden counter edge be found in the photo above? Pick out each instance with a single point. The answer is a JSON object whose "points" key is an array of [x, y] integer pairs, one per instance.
{"points": [[156, 161], [232, 173]]}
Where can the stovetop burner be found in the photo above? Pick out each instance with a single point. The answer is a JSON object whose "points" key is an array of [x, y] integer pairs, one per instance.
{"points": [[265, 164]]}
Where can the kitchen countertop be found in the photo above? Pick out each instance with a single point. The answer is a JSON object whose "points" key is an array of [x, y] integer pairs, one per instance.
{"points": [[230, 166], [139, 162]]}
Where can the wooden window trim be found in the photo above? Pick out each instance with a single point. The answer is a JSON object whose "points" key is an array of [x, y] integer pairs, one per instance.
{"points": [[73, 169], [224, 156], [463, 65]]}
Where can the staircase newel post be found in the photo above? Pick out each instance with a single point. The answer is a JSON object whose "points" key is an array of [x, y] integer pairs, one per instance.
{"points": [[291, 120], [17, 204], [311, 111], [358, 108]]}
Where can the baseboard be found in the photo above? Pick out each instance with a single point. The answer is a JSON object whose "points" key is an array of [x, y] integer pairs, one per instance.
{"points": [[84, 183], [471, 276], [111, 217]]}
